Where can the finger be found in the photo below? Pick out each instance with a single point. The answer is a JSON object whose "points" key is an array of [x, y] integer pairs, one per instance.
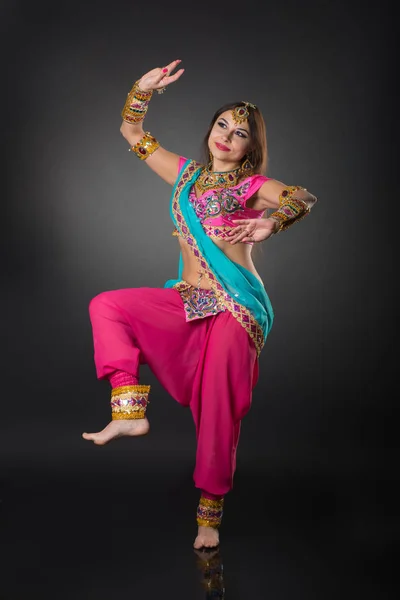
{"points": [[240, 237], [160, 76], [241, 230], [235, 239], [172, 65], [235, 230], [242, 221], [238, 231], [167, 70], [171, 78]]}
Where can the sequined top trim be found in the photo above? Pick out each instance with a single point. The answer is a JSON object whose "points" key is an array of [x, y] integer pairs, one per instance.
{"points": [[216, 209]]}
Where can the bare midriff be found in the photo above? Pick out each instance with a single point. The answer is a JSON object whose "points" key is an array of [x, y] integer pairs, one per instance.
{"points": [[193, 273]]}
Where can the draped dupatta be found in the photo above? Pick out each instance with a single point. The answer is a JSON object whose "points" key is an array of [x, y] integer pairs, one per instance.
{"points": [[241, 292]]}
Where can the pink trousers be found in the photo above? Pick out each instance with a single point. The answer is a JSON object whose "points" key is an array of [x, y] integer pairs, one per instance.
{"points": [[208, 364]]}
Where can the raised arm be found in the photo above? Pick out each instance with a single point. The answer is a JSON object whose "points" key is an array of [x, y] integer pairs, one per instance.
{"points": [[142, 143]]}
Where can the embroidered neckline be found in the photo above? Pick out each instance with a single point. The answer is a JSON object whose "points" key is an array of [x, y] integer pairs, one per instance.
{"points": [[217, 190], [209, 180]]}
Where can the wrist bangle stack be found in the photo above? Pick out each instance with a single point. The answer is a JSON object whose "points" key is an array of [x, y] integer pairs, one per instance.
{"points": [[136, 105], [145, 146], [291, 209]]}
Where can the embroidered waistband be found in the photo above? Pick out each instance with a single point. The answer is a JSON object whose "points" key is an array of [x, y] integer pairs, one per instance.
{"points": [[198, 303]]}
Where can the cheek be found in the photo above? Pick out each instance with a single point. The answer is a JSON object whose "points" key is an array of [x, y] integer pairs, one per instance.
{"points": [[241, 145]]}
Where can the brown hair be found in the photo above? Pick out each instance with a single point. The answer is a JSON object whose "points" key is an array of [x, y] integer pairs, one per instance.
{"points": [[258, 153]]}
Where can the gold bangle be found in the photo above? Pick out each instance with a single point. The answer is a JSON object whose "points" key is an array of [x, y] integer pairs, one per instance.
{"points": [[145, 146], [291, 209], [288, 192], [142, 94], [136, 104], [129, 402]]}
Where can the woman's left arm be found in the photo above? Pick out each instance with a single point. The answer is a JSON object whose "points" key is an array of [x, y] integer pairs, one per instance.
{"points": [[292, 203]]}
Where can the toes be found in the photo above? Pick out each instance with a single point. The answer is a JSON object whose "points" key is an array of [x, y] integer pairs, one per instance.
{"points": [[95, 438], [100, 442]]}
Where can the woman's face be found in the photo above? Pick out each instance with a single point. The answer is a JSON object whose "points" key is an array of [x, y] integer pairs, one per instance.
{"points": [[229, 141]]}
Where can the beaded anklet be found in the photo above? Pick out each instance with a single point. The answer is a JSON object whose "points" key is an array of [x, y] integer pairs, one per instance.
{"points": [[209, 512]]}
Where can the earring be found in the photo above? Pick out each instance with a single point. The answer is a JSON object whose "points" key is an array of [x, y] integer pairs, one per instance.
{"points": [[246, 167]]}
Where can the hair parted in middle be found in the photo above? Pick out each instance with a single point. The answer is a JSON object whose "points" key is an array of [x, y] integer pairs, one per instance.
{"points": [[258, 153]]}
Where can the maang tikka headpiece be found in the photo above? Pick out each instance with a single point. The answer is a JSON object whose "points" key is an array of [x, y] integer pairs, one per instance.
{"points": [[241, 113]]}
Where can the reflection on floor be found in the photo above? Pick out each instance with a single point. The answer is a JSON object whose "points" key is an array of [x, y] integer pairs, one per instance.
{"points": [[212, 573], [102, 531]]}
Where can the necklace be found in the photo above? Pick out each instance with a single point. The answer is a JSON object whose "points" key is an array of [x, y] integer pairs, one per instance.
{"points": [[210, 180]]}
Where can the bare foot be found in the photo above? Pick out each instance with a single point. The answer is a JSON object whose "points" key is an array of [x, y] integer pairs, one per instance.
{"points": [[207, 537], [118, 428]]}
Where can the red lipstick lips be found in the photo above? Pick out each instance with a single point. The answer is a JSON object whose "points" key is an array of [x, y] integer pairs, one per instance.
{"points": [[222, 147]]}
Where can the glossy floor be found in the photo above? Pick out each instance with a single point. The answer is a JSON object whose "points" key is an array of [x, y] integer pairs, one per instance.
{"points": [[96, 531]]}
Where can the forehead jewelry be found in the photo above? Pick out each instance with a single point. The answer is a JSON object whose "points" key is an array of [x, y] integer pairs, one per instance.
{"points": [[241, 113]]}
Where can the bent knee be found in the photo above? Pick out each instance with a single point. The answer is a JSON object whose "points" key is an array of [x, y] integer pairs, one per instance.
{"points": [[100, 302], [242, 409]]}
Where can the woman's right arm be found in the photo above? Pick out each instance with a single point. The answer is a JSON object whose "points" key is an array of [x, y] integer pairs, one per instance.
{"points": [[160, 160]]}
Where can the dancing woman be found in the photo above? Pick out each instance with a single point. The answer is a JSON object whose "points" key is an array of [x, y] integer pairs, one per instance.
{"points": [[202, 333]]}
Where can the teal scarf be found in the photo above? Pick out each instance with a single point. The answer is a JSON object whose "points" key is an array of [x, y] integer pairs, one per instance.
{"points": [[241, 292]]}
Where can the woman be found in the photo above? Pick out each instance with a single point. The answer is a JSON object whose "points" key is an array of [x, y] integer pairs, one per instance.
{"points": [[201, 334]]}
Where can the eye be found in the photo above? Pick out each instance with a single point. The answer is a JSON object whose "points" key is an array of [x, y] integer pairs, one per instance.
{"points": [[221, 124], [241, 134]]}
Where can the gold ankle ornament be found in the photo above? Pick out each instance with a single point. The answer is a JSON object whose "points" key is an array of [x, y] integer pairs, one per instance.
{"points": [[209, 512], [129, 402]]}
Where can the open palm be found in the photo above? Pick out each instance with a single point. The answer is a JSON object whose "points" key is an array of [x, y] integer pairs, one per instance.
{"points": [[159, 78], [251, 230]]}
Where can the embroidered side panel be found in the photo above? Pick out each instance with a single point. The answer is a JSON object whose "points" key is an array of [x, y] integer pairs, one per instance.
{"points": [[198, 303]]}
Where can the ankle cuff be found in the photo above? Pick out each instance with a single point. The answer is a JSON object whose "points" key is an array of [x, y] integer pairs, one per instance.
{"points": [[209, 512], [129, 402]]}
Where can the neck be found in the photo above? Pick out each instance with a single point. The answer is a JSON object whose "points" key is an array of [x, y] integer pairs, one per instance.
{"points": [[223, 167]]}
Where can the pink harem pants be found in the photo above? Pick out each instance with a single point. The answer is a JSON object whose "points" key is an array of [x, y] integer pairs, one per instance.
{"points": [[208, 364]]}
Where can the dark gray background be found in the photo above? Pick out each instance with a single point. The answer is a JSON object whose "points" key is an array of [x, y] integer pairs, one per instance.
{"points": [[81, 215]]}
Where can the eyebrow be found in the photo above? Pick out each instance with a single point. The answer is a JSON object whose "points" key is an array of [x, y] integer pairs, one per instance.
{"points": [[241, 128]]}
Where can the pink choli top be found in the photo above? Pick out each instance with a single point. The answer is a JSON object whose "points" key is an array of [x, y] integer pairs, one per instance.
{"points": [[216, 209]]}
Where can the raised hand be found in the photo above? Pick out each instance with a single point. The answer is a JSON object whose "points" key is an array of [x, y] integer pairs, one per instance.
{"points": [[159, 78], [252, 230]]}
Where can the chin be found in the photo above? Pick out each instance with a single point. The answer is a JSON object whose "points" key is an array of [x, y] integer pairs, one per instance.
{"points": [[222, 155]]}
